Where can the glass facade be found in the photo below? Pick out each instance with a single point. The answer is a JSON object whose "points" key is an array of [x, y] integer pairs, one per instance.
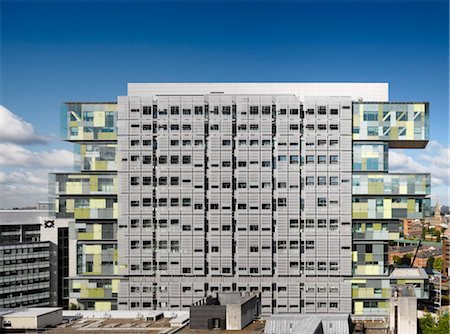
{"points": [[390, 207], [370, 259], [89, 196], [370, 157], [95, 294], [89, 121], [391, 121], [381, 199], [392, 184]]}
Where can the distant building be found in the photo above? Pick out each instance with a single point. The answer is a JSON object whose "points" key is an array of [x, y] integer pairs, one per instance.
{"points": [[33, 259], [29, 319], [412, 228], [422, 257], [445, 256]]}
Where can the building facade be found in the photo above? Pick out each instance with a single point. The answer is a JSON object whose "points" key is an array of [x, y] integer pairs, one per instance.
{"points": [[88, 198], [32, 259], [277, 188]]}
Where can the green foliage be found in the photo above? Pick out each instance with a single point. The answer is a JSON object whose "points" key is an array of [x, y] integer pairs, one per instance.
{"points": [[73, 306], [424, 232], [437, 265], [430, 262], [430, 325]]}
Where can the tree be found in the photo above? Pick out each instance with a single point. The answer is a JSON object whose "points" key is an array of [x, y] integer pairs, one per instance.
{"points": [[437, 265], [442, 326], [438, 238], [424, 232], [427, 324], [396, 259], [430, 262], [73, 306]]}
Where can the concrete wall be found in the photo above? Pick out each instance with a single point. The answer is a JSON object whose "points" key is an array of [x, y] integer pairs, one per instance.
{"points": [[202, 316], [50, 319], [406, 308]]}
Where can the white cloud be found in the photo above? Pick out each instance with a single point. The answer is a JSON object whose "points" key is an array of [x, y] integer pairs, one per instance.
{"points": [[435, 159], [23, 188], [13, 129], [13, 155]]}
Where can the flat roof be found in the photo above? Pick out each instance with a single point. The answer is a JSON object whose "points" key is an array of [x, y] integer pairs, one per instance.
{"points": [[409, 273], [33, 312], [365, 91]]}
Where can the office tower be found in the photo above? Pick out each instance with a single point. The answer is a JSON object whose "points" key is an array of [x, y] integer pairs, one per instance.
{"points": [[259, 187], [32, 258], [276, 188], [88, 197]]}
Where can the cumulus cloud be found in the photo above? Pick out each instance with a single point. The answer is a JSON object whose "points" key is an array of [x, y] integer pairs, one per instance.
{"points": [[14, 129], [23, 188], [435, 159], [13, 155]]}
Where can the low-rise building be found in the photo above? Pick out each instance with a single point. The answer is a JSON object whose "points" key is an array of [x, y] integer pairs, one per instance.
{"points": [[412, 228], [36, 318]]}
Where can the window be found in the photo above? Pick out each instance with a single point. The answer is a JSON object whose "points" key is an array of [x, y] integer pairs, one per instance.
{"points": [[242, 185], [198, 110], [334, 181], [134, 180], [282, 202], [162, 159], [162, 202], [322, 159], [294, 111], [226, 110], [146, 201], [322, 180], [174, 201], [186, 111], [265, 110], [186, 159], [322, 110], [134, 203], [321, 127], [254, 126], [310, 159], [254, 249], [186, 142], [309, 111], [226, 142], [146, 110], [186, 202], [333, 142], [162, 181], [310, 180], [214, 127], [334, 159], [310, 127], [242, 127], [321, 142], [174, 127], [254, 142], [253, 110], [293, 223], [186, 127], [134, 142], [370, 115], [334, 127], [321, 201], [174, 181], [321, 223], [282, 158], [282, 112], [174, 159], [266, 142], [334, 111], [174, 110], [293, 159], [146, 159], [293, 127]]}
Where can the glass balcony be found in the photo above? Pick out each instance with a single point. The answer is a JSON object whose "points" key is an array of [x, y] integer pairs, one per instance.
{"points": [[391, 184], [89, 121], [403, 125], [97, 259], [390, 208], [86, 208], [94, 288]]}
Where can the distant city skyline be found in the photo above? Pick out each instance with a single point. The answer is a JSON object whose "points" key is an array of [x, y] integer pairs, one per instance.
{"points": [[74, 50]]}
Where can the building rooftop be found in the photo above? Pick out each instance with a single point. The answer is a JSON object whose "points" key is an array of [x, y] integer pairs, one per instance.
{"points": [[21, 216], [32, 312], [378, 91], [409, 273]]}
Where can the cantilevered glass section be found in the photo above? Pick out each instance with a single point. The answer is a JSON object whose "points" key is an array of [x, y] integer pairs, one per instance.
{"points": [[376, 230], [95, 294], [89, 121], [86, 207], [390, 207], [391, 184], [404, 125]]}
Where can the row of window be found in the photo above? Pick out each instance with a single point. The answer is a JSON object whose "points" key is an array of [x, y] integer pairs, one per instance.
{"points": [[322, 127]]}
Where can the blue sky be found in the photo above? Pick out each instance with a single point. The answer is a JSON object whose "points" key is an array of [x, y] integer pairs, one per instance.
{"points": [[87, 51]]}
